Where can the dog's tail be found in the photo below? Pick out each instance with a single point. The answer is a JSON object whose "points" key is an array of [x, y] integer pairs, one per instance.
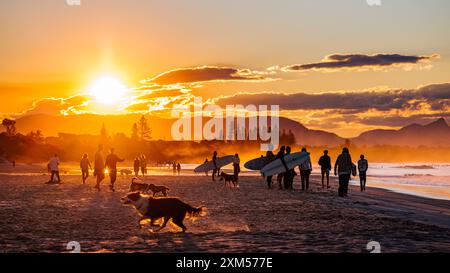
{"points": [[200, 211]]}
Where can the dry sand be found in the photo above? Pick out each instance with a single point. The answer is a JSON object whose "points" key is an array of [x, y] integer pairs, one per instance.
{"points": [[43, 218]]}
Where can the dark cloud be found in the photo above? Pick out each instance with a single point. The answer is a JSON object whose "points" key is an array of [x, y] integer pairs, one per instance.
{"points": [[346, 61], [437, 96], [205, 74]]}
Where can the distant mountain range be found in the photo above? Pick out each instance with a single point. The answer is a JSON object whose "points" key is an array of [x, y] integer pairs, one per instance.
{"points": [[436, 133]]}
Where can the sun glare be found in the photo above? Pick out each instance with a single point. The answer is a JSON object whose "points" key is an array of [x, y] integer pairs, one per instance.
{"points": [[108, 90]]}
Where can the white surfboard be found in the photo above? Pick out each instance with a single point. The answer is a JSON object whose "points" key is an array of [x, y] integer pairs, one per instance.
{"points": [[209, 166], [292, 160]]}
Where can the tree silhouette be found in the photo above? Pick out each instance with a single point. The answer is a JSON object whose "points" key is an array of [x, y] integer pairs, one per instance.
{"points": [[103, 134], [134, 132], [10, 126], [37, 136], [144, 130]]}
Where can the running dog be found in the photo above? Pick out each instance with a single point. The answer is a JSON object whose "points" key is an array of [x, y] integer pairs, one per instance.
{"points": [[166, 208], [229, 178], [143, 187]]}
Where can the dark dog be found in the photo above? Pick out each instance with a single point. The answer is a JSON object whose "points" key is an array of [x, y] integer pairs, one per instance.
{"points": [[143, 187], [229, 178], [157, 208]]}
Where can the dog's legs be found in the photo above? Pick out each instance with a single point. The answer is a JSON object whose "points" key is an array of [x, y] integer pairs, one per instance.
{"points": [[142, 219], [164, 224], [152, 222], [179, 222]]}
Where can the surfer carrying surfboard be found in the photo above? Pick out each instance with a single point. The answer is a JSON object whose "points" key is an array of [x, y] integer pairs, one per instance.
{"points": [[216, 169], [280, 155], [289, 174], [270, 157], [236, 167]]}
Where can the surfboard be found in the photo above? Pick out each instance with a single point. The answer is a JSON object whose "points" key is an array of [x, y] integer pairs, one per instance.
{"points": [[257, 163], [209, 166], [292, 160]]}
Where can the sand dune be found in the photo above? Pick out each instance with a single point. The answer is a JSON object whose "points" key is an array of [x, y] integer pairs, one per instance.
{"points": [[39, 218]]}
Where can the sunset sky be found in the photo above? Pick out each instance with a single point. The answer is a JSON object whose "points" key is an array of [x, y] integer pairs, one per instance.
{"points": [[341, 66]]}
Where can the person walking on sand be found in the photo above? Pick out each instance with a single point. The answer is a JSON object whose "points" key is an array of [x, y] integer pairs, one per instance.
{"points": [[174, 168], [270, 157], [236, 167], [216, 169], [280, 155], [325, 168], [85, 165], [363, 165], [53, 165], [343, 167], [99, 166], [143, 165], [136, 165], [179, 168], [111, 166], [305, 171], [206, 161]]}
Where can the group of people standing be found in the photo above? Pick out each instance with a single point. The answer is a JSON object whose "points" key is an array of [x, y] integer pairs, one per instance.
{"points": [[286, 179], [140, 163], [102, 166], [343, 168], [176, 168]]}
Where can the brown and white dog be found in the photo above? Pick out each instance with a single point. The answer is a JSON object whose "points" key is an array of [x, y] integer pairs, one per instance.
{"points": [[165, 208], [143, 187]]}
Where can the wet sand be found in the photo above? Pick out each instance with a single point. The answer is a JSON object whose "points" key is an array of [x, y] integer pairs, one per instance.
{"points": [[43, 218]]}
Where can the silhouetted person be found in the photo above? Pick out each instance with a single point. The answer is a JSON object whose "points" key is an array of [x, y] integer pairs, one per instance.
{"points": [[236, 167], [136, 166], [325, 168], [179, 168], [305, 171], [270, 157], [343, 168], [289, 175], [143, 165], [216, 169], [280, 155], [206, 161], [174, 168], [111, 165], [363, 165], [85, 165], [99, 166], [53, 165]]}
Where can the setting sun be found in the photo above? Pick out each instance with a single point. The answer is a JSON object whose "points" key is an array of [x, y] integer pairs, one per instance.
{"points": [[108, 90]]}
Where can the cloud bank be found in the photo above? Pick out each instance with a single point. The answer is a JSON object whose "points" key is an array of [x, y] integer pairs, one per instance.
{"points": [[359, 61], [206, 74]]}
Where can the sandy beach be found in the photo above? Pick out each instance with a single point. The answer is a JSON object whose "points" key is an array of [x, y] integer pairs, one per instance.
{"points": [[43, 218]]}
